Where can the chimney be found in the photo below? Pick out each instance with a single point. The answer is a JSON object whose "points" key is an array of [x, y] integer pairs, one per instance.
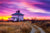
{"points": [[18, 11]]}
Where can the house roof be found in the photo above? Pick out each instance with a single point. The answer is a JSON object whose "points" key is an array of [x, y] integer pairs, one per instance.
{"points": [[17, 14]]}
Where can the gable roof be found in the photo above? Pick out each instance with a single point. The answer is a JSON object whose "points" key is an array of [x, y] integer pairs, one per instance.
{"points": [[18, 14]]}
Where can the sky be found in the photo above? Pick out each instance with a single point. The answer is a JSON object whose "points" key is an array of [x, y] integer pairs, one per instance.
{"points": [[30, 8]]}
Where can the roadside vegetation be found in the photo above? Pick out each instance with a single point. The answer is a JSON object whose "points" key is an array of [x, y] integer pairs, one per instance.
{"points": [[44, 25]]}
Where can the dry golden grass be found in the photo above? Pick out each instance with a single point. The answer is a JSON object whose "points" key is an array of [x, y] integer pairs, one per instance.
{"points": [[12, 23], [14, 27], [44, 26]]}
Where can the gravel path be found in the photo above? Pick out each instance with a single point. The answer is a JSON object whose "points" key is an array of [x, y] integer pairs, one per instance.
{"points": [[34, 30], [42, 31]]}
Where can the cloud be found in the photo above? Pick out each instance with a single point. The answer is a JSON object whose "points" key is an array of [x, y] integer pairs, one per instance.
{"points": [[46, 7], [27, 7], [37, 10], [43, 14]]}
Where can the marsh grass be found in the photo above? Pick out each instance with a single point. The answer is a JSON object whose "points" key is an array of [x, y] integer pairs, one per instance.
{"points": [[7, 28], [44, 25]]}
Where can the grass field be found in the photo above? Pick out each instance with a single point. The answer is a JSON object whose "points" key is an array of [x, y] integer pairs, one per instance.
{"points": [[21, 27], [14, 27], [44, 25]]}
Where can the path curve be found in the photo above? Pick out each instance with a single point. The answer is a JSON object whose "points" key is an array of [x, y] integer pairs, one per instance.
{"points": [[35, 30], [41, 30]]}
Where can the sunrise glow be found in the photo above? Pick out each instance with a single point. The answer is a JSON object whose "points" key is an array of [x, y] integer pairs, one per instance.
{"points": [[32, 9]]}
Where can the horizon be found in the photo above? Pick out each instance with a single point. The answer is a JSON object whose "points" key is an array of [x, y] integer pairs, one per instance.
{"points": [[30, 18]]}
